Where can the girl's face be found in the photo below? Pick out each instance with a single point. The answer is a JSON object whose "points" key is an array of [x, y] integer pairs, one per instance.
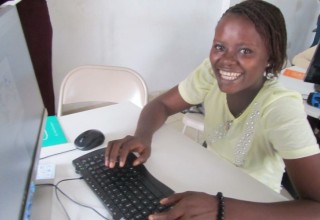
{"points": [[238, 56]]}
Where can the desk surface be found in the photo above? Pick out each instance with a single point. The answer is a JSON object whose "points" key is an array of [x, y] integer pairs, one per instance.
{"points": [[176, 160], [303, 87]]}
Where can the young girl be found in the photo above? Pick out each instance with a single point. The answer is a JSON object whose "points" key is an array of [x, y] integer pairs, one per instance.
{"points": [[250, 120]]}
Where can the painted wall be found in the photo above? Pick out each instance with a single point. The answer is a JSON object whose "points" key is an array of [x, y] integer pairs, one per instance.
{"points": [[301, 18], [162, 40]]}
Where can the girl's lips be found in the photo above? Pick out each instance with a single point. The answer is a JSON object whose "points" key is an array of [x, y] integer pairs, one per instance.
{"points": [[229, 75]]}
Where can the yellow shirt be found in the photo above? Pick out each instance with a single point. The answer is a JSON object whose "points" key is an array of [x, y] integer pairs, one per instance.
{"points": [[272, 127]]}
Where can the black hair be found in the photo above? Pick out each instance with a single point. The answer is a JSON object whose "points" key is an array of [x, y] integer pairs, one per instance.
{"points": [[270, 24]]}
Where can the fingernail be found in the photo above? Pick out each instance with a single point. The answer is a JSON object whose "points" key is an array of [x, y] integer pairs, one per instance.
{"points": [[163, 200], [137, 162]]}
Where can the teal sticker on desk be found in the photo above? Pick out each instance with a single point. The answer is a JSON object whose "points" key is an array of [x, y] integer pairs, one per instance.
{"points": [[53, 134]]}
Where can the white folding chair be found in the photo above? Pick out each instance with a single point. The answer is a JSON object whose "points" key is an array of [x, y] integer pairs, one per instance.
{"points": [[195, 121], [88, 87]]}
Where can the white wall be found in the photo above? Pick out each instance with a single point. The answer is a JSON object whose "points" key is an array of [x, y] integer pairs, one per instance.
{"points": [[301, 18], [162, 40]]}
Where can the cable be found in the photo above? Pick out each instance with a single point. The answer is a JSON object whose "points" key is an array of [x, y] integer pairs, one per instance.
{"points": [[57, 154], [58, 198], [60, 202], [56, 186], [85, 206]]}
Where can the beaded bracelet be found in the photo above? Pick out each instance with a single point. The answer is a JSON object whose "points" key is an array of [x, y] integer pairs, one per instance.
{"points": [[220, 215]]}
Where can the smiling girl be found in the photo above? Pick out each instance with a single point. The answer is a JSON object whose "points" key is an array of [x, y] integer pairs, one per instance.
{"points": [[251, 120]]}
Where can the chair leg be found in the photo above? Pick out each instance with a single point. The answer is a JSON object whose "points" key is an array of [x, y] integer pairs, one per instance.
{"points": [[184, 129], [198, 136]]}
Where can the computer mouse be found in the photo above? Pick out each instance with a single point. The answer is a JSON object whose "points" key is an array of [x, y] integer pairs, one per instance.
{"points": [[89, 139]]}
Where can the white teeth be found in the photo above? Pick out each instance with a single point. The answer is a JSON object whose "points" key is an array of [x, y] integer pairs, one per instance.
{"points": [[229, 75]]}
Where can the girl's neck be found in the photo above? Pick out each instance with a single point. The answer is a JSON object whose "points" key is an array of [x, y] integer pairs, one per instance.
{"points": [[238, 102]]}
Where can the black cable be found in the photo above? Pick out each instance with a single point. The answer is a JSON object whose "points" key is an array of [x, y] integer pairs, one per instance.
{"points": [[56, 186], [57, 154], [60, 202], [58, 198]]}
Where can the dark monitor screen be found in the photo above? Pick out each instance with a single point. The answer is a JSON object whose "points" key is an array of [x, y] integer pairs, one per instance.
{"points": [[313, 71], [22, 116]]}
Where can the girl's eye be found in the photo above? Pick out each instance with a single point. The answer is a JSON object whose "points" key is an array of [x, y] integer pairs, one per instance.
{"points": [[218, 47], [245, 51]]}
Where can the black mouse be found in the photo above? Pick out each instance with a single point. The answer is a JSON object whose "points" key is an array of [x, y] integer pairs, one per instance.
{"points": [[89, 139]]}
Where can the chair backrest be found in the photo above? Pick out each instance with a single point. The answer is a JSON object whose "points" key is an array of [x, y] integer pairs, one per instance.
{"points": [[88, 87]]}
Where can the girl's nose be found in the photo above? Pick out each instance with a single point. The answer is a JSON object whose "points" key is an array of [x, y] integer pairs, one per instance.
{"points": [[229, 57]]}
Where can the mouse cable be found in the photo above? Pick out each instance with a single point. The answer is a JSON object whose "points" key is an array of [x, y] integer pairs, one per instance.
{"points": [[58, 198], [51, 155], [57, 188], [78, 203]]}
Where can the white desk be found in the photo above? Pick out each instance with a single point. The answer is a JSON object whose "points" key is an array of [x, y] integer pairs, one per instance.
{"points": [[303, 87], [176, 160]]}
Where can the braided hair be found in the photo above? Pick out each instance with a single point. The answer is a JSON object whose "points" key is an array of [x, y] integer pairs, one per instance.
{"points": [[270, 24]]}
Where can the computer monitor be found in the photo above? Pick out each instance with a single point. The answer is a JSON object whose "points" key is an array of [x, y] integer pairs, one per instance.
{"points": [[313, 71], [22, 118]]}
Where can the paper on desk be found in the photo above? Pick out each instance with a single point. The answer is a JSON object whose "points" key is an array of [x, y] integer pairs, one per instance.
{"points": [[294, 74]]}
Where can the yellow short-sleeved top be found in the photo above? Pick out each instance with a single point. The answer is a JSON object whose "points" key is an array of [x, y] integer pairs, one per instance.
{"points": [[272, 127]]}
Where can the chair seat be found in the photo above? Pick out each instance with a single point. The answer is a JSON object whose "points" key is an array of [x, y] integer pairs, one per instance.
{"points": [[71, 108]]}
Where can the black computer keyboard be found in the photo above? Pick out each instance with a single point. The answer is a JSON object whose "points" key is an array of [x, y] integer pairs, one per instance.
{"points": [[130, 192]]}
